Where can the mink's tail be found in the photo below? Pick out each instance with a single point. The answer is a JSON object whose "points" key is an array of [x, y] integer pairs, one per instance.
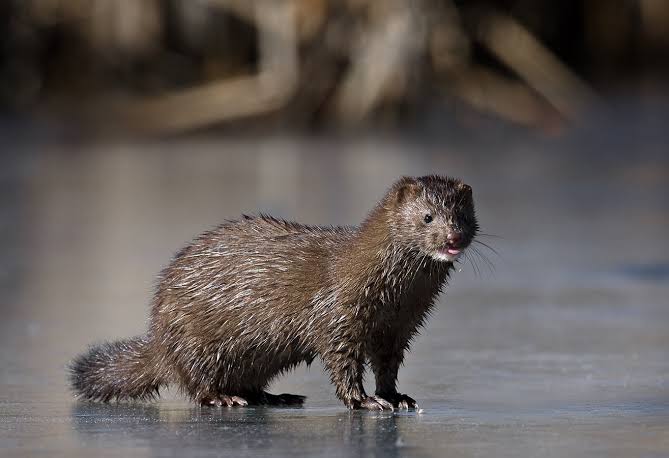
{"points": [[121, 370]]}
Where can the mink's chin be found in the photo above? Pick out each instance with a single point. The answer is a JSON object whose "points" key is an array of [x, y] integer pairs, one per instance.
{"points": [[447, 254]]}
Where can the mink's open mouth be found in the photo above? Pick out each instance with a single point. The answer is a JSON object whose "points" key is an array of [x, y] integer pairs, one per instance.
{"points": [[450, 252]]}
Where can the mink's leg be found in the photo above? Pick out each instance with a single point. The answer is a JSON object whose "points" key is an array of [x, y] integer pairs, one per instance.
{"points": [[346, 369], [385, 361]]}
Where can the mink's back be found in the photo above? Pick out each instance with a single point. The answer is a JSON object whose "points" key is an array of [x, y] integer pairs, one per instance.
{"points": [[255, 270]]}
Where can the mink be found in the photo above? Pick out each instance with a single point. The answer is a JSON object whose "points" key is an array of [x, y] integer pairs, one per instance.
{"points": [[255, 297]]}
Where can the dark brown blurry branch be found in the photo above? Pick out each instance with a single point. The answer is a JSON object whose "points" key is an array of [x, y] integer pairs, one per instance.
{"points": [[231, 98], [514, 45]]}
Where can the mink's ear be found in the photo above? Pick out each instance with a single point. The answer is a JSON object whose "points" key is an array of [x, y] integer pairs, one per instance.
{"points": [[405, 189], [465, 189]]}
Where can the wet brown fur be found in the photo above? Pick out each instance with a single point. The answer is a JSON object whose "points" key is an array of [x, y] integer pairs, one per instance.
{"points": [[256, 297]]}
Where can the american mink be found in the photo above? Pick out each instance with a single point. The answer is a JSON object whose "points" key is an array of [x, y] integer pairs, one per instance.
{"points": [[254, 298]]}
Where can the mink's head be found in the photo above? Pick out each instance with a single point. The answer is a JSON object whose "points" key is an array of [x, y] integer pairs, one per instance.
{"points": [[434, 215]]}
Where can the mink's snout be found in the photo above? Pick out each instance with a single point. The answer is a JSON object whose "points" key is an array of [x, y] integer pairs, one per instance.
{"points": [[455, 239]]}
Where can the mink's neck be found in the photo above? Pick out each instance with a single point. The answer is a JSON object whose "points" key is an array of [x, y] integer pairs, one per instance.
{"points": [[372, 263]]}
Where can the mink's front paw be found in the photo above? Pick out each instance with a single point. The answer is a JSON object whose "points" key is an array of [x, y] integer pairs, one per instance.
{"points": [[374, 403], [401, 401], [406, 402]]}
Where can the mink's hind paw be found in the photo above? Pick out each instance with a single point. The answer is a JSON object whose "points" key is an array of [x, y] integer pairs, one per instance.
{"points": [[258, 399], [223, 400], [284, 399]]}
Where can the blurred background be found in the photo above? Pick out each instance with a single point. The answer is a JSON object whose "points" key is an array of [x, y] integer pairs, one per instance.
{"points": [[170, 66], [127, 127]]}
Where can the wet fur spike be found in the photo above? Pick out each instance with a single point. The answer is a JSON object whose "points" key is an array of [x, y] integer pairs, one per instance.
{"points": [[254, 298]]}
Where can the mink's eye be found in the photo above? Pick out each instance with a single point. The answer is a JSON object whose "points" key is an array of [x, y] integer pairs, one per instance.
{"points": [[428, 218]]}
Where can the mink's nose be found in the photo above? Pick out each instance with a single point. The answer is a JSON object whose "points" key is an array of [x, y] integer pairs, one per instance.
{"points": [[454, 238]]}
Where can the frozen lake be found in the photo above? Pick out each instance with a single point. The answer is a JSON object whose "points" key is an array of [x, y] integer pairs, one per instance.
{"points": [[561, 349]]}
